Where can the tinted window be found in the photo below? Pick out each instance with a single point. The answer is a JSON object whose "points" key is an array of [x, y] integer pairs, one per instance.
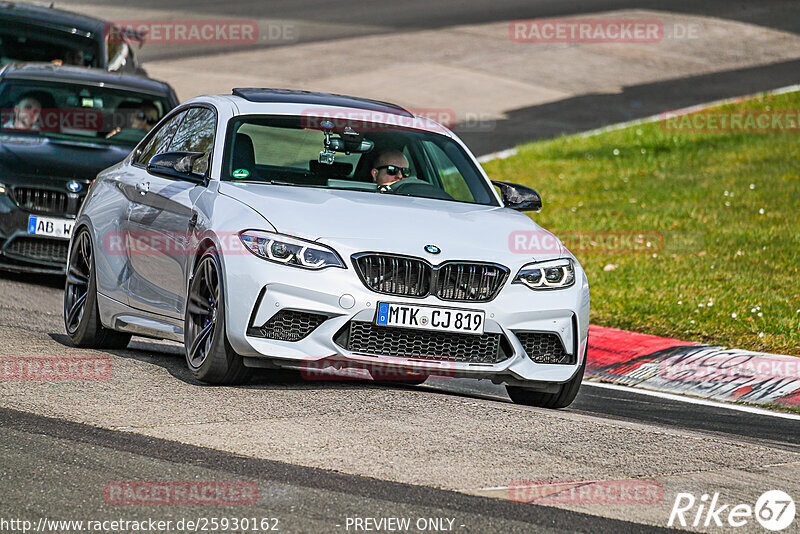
{"points": [[450, 177], [75, 110], [28, 42], [161, 139], [196, 134]]}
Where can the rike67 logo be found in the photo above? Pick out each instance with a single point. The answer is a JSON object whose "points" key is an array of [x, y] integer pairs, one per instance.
{"points": [[774, 510]]}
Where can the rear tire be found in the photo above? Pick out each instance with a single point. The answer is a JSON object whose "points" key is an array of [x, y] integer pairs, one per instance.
{"points": [[81, 314], [560, 399], [210, 357]]}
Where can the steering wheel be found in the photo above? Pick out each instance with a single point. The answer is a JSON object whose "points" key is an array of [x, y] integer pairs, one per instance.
{"points": [[418, 188]]}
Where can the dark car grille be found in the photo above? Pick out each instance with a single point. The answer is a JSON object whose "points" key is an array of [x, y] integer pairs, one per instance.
{"points": [[39, 249], [414, 277], [367, 338], [394, 275], [469, 281], [544, 348], [41, 200], [288, 325]]}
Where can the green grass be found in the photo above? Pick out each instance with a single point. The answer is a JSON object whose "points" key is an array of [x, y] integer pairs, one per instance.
{"points": [[716, 248]]}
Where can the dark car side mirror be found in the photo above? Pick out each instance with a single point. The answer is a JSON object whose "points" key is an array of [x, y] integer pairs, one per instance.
{"points": [[176, 165], [518, 197]]}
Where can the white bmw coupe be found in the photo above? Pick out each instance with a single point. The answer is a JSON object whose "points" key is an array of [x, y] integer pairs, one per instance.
{"points": [[288, 229]]}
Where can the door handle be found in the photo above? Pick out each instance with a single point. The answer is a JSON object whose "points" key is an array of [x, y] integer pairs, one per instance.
{"points": [[143, 187]]}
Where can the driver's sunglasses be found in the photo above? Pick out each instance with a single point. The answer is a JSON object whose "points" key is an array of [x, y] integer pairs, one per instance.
{"points": [[142, 116], [392, 170]]}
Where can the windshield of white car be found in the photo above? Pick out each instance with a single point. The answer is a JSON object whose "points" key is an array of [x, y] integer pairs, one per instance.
{"points": [[293, 151], [76, 111]]}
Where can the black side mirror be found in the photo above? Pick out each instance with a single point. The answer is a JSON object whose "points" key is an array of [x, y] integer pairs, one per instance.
{"points": [[518, 197], [176, 165]]}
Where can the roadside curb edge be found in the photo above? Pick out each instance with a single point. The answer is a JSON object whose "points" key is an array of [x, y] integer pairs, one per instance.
{"points": [[690, 368]]}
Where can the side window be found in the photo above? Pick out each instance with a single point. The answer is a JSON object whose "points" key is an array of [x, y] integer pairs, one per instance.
{"points": [[411, 165], [160, 141], [452, 180], [196, 134]]}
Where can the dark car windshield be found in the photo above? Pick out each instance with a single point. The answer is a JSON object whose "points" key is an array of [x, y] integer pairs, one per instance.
{"points": [[21, 42], [78, 111], [292, 151]]}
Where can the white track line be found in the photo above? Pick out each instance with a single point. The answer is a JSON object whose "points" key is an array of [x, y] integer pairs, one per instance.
{"points": [[507, 153], [690, 109], [693, 400], [503, 154]]}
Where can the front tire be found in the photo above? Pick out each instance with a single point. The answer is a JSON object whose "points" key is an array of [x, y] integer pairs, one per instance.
{"points": [[560, 399], [210, 357], [81, 314]]}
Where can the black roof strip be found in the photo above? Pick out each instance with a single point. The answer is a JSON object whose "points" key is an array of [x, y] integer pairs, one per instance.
{"points": [[291, 96]]}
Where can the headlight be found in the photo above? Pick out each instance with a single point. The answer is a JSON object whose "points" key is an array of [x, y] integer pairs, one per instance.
{"points": [[290, 250], [2, 189], [553, 274]]}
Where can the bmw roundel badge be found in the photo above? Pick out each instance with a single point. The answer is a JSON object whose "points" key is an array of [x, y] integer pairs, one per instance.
{"points": [[74, 186], [432, 249]]}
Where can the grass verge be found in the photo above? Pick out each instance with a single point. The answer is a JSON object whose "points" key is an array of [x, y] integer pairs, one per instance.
{"points": [[686, 234]]}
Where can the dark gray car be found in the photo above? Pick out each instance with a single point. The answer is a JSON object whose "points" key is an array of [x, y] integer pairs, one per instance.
{"points": [[38, 33], [83, 121]]}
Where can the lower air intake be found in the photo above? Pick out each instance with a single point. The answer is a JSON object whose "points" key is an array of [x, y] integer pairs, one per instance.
{"points": [[288, 325], [39, 249], [367, 338], [544, 347]]}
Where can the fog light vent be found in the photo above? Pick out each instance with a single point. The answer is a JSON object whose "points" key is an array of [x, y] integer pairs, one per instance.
{"points": [[288, 325], [544, 347]]}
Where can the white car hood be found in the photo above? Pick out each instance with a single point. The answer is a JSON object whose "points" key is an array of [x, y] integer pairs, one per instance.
{"points": [[355, 221]]}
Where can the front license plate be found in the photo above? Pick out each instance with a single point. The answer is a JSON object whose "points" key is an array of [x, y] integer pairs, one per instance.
{"points": [[49, 226], [430, 318]]}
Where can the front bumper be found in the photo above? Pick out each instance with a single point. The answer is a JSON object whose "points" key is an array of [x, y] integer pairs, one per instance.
{"points": [[256, 290], [23, 252]]}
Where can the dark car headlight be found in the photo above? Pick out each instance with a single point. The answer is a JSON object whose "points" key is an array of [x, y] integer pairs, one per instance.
{"points": [[288, 250], [551, 274]]}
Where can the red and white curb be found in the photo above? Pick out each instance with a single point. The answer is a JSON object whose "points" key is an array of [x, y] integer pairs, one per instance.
{"points": [[688, 368]]}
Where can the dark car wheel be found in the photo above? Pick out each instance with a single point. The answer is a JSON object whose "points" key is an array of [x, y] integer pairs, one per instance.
{"points": [[560, 399], [81, 315], [208, 353]]}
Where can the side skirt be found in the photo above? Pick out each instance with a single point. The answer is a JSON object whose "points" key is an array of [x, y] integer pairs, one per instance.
{"points": [[119, 316]]}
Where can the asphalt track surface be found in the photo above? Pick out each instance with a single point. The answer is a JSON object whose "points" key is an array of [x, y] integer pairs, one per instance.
{"points": [[53, 468], [302, 499], [323, 20], [625, 404], [381, 17]]}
